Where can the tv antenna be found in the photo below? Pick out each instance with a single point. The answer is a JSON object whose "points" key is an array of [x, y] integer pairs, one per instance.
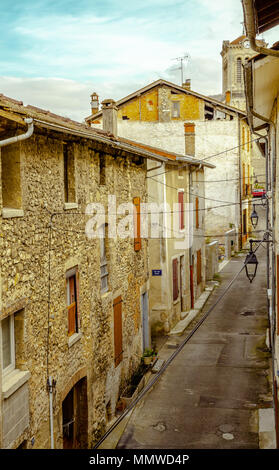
{"points": [[181, 60]]}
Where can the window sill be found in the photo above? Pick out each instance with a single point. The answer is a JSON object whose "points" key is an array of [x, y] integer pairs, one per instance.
{"points": [[13, 381], [8, 213], [70, 205], [74, 338]]}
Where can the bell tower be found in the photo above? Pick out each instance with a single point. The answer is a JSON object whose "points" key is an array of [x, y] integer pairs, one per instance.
{"points": [[234, 54]]}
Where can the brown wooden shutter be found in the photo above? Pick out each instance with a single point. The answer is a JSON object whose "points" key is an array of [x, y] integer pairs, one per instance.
{"points": [[117, 313], [197, 212], [175, 278], [71, 319], [181, 209], [199, 267], [137, 238], [77, 300]]}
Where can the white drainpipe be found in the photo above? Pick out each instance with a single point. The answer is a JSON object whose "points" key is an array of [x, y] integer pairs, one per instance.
{"points": [[18, 138]]}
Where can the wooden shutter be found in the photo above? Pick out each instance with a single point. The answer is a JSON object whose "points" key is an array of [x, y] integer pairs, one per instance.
{"points": [[117, 314], [137, 238], [199, 267], [197, 212], [72, 308], [175, 278], [181, 209]]}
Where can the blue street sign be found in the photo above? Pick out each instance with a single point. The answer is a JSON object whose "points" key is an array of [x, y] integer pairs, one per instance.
{"points": [[156, 272]]}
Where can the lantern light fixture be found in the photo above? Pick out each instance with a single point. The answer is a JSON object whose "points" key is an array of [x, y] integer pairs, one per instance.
{"points": [[254, 217], [251, 265]]}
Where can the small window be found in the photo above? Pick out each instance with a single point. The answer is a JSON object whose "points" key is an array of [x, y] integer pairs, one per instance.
{"points": [[103, 260], [72, 301], [197, 213], [8, 344], [175, 109], [102, 159], [239, 70], [11, 176], [175, 289], [69, 173], [12, 342], [181, 210]]}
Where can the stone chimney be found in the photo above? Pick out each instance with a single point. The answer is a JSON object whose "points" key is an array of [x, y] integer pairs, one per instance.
{"points": [[228, 97], [187, 84], [109, 110], [189, 132], [94, 103]]}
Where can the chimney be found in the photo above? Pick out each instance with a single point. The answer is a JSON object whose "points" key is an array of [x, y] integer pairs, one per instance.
{"points": [[109, 110], [228, 97], [187, 84], [94, 103], [189, 132]]}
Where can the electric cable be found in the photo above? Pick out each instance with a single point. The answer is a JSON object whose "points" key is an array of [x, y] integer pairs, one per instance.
{"points": [[204, 159]]}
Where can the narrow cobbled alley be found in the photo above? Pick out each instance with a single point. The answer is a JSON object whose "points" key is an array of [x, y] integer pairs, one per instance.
{"points": [[210, 395]]}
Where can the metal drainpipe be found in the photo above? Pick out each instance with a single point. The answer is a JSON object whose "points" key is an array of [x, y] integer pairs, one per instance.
{"points": [[18, 138]]}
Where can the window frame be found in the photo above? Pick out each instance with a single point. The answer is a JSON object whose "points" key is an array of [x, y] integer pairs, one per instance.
{"points": [[7, 370], [73, 272], [175, 108]]}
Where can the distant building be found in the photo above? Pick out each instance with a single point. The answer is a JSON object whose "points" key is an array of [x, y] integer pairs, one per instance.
{"points": [[178, 119]]}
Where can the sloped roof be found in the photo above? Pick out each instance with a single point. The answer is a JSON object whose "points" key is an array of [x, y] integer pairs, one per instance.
{"points": [[267, 14], [173, 86], [238, 40], [14, 110]]}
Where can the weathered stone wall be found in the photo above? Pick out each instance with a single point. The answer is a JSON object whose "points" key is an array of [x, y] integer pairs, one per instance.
{"points": [[28, 250]]}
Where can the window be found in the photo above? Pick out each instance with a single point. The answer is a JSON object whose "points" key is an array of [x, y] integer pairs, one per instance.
{"points": [[10, 176], [199, 267], [103, 260], [69, 173], [197, 213], [102, 159], [137, 227], [175, 279], [175, 109], [8, 344], [12, 342], [239, 70], [117, 315], [181, 209], [243, 180], [72, 301]]}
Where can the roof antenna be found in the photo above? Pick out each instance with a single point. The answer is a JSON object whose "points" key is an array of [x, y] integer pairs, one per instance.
{"points": [[181, 60]]}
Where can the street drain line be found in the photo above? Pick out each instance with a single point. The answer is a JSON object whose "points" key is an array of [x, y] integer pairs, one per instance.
{"points": [[168, 361]]}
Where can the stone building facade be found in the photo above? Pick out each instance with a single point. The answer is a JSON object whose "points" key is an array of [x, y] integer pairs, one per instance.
{"points": [[160, 114], [177, 271], [70, 305]]}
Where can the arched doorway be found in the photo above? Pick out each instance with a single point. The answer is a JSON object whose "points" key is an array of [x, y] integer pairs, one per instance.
{"points": [[75, 417]]}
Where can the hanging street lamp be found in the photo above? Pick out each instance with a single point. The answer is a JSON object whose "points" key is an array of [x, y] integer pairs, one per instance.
{"points": [[251, 264], [254, 217]]}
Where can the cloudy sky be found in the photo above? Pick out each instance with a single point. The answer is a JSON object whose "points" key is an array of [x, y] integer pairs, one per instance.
{"points": [[55, 53]]}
